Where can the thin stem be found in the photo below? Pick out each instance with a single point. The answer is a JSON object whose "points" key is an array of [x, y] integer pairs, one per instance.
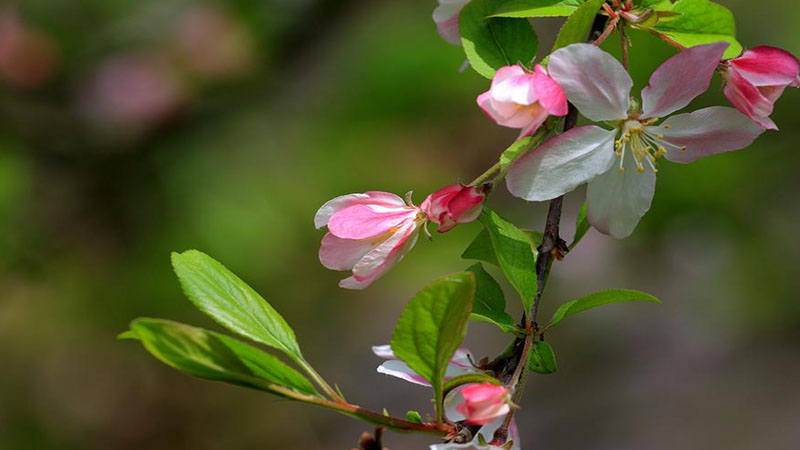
{"points": [[482, 178], [668, 40], [551, 244], [624, 38], [366, 415], [320, 381]]}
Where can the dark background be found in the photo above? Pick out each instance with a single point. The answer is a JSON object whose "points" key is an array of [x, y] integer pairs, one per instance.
{"points": [[129, 129]]}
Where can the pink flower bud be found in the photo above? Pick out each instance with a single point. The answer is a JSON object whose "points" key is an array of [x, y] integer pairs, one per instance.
{"points": [[757, 78], [518, 99], [454, 204], [367, 233], [484, 402]]}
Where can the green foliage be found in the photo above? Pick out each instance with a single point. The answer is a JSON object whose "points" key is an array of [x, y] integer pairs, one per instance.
{"points": [[213, 356], [582, 226], [537, 8], [576, 28], [493, 42], [432, 326], [481, 249], [598, 299], [514, 253], [542, 359], [490, 302], [700, 22], [414, 416], [216, 291], [469, 378]]}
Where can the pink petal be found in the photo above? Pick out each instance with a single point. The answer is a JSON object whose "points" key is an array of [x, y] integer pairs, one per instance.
{"points": [[707, 132], [550, 94], [617, 201], [342, 254], [593, 80], [749, 100], [562, 163], [382, 258], [767, 66], [504, 73], [512, 115], [371, 197], [518, 89], [680, 79], [446, 18], [368, 221]]}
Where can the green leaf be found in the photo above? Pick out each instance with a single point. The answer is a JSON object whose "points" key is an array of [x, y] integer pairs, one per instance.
{"points": [[432, 327], [542, 359], [582, 226], [213, 356], [701, 22], [598, 299], [414, 416], [481, 249], [222, 295], [493, 42], [514, 253], [576, 28], [490, 302], [537, 8]]}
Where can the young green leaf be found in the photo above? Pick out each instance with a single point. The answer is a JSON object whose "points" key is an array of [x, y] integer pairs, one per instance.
{"points": [[216, 291], [582, 226], [432, 327], [701, 22], [490, 302], [598, 299], [414, 416], [577, 26], [542, 359], [213, 356], [514, 253], [537, 8], [493, 42], [481, 249]]}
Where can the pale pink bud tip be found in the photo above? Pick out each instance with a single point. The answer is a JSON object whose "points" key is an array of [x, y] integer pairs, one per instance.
{"points": [[518, 99], [454, 204], [483, 403]]}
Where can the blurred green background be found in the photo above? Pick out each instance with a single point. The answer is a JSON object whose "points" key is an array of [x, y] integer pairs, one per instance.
{"points": [[129, 129]]}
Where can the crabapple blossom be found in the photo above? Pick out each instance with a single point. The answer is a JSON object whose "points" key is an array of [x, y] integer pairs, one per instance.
{"points": [[756, 79], [484, 402], [518, 99], [446, 17], [454, 204], [597, 84], [367, 233], [460, 364]]}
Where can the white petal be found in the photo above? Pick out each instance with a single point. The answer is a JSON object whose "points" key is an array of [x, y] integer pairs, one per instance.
{"points": [[562, 163], [399, 369], [616, 201], [594, 81], [707, 132], [336, 253], [383, 351]]}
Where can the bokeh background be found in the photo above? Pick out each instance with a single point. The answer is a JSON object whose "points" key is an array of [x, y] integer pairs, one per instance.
{"points": [[129, 129]]}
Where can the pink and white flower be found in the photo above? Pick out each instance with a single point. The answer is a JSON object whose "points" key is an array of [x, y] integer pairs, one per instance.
{"points": [[757, 78], [454, 204], [460, 364], [518, 99], [446, 16], [367, 233], [620, 194], [484, 402]]}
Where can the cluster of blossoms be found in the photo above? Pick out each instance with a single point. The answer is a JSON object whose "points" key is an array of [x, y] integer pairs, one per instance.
{"points": [[618, 159]]}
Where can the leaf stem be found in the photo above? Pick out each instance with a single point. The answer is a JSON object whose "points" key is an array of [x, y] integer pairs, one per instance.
{"points": [[482, 178], [335, 396]]}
